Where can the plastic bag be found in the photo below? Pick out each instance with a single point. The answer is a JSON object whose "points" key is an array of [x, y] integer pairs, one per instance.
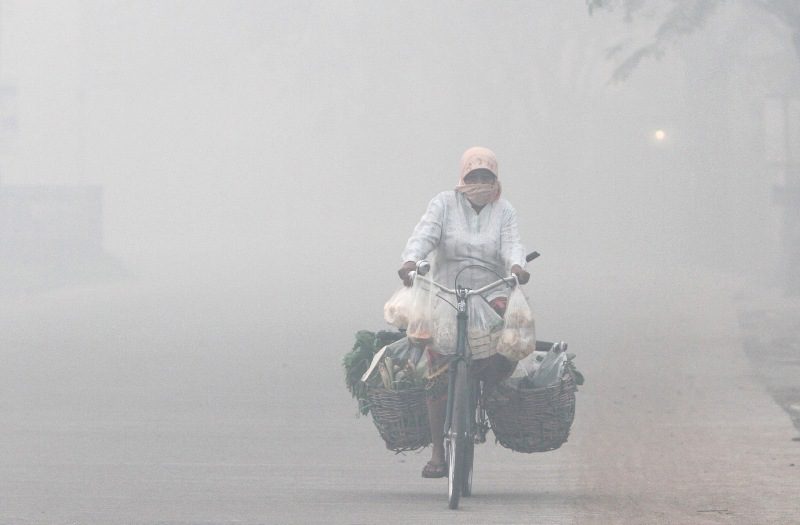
{"points": [[405, 350], [398, 308], [398, 366], [527, 366], [483, 327], [518, 338], [551, 369], [445, 327], [420, 319]]}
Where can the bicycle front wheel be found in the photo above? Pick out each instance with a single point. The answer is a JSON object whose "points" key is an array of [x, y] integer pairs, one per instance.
{"points": [[469, 455], [457, 437], [473, 422]]}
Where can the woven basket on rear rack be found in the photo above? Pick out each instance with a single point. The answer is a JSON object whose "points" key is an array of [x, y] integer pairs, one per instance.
{"points": [[401, 417], [532, 419]]}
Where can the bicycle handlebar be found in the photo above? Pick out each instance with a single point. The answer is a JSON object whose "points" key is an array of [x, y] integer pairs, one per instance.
{"points": [[510, 281], [423, 267]]}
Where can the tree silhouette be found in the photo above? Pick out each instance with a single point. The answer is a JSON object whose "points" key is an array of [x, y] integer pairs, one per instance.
{"points": [[677, 18]]}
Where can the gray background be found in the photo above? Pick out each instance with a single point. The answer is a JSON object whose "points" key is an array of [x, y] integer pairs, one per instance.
{"points": [[262, 165]]}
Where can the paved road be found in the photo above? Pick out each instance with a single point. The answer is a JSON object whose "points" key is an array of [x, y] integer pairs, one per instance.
{"points": [[770, 323], [119, 419]]}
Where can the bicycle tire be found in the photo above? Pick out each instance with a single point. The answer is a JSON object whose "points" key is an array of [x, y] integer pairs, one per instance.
{"points": [[457, 436], [469, 446], [469, 456]]}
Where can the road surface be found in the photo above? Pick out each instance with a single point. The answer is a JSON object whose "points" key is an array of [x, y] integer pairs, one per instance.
{"points": [[115, 411]]}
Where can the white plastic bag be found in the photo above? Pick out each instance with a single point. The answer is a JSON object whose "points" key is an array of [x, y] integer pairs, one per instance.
{"points": [[420, 319], [518, 338], [397, 309], [527, 366], [404, 350], [483, 327], [551, 369], [397, 366], [445, 327]]}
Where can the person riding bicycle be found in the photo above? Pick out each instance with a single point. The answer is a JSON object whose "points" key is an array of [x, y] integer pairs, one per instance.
{"points": [[468, 226]]}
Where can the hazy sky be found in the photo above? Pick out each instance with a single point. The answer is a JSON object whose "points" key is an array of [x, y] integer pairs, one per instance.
{"points": [[239, 140]]}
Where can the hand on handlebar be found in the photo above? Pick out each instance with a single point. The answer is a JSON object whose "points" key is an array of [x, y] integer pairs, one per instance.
{"points": [[522, 275], [408, 267]]}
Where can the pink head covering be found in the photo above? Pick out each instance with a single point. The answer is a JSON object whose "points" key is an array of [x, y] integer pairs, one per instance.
{"points": [[476, 158]]}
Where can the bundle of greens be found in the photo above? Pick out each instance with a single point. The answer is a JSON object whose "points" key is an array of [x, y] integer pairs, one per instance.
{"points": [[358, 360], [400, 374]]}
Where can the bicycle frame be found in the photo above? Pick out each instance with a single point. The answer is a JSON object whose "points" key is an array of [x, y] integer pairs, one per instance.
{"points": [[460, 416], [462, 353]]}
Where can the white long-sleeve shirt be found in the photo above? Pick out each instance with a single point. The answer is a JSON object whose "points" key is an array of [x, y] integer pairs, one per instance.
{"points": [[458, 236]]}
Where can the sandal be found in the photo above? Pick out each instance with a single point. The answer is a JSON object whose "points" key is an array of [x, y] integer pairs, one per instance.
{"points": [[434, 470]]}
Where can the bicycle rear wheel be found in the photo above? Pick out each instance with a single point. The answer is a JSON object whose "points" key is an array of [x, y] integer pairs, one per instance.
{"points": [[457, 437]]}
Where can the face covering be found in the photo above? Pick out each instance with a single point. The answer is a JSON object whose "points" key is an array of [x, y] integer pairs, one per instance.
{"points": [[480, 194]]}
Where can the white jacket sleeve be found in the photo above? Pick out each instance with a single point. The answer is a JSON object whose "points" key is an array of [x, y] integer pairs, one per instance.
{"points": [[513, 252], [427, 233]]}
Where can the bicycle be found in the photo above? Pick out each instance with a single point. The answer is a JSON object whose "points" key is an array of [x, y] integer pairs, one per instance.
{"points": [[465, 418]]}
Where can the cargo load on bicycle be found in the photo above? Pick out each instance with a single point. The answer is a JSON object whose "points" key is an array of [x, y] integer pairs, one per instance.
{"points": [[387, 376], [524, 415], [531, 411]]}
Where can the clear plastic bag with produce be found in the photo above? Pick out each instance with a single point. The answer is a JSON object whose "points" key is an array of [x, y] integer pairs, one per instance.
{"points": [[483, 327], [397, 309], [405, 350], [402, 365], [518, 338], [420, 319], [444, 327]]}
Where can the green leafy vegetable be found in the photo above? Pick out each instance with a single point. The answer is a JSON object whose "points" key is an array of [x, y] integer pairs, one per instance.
{"points": [[359, 358]]}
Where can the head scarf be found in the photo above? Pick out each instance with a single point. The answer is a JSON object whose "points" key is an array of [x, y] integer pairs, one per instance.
{"points": [[476, 158]]}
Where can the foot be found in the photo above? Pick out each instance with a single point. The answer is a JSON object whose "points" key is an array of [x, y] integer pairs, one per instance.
{"points": [[434, 470]]}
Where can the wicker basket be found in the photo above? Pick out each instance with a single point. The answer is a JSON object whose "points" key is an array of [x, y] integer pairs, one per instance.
{"points": [[532, 420], [401, 417]]}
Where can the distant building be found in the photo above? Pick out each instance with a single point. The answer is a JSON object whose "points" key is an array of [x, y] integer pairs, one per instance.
{"points": [[51, 222]]}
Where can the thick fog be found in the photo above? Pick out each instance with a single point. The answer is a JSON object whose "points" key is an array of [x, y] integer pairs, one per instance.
{"points": [[254, 139], [262, 165]]}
